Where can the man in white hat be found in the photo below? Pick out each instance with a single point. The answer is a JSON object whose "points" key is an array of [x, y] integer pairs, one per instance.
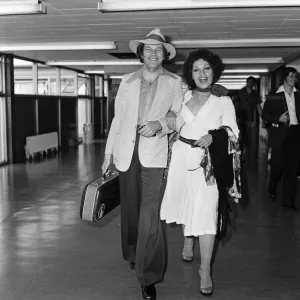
{"points": [[138, 145]]}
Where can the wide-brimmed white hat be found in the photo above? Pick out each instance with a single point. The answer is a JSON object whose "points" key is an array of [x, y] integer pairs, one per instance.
{"points": [[153, 38]]}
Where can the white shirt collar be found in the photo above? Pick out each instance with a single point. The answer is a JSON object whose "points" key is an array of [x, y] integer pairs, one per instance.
{"points": [[281, 89]]}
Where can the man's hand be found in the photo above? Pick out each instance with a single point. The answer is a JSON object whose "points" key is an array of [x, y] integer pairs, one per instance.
{"points": [[204, 141], [149, 129], [284, 117], [107, 162], [171, 120]]}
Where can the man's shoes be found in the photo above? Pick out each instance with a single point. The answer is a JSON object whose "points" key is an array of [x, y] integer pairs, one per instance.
{"points": [[149, 292], [272, 197], [132, 265], [290, 207]]}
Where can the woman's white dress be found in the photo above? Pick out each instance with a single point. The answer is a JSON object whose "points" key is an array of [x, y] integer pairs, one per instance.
{"points": [[188, 199]]}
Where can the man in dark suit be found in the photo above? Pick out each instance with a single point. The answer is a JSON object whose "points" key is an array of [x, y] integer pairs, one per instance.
{"points": [[282, 111], [248, 101]]}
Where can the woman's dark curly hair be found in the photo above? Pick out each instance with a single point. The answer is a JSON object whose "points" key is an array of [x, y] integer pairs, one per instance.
{"points": [[140, 52], [214, 61]]}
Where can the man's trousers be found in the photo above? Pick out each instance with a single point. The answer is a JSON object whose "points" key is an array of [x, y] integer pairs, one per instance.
{"points": [[285, 161], [143, 240]]}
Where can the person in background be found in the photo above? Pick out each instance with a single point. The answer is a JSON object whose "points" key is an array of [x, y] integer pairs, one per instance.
{"points": [[190, 198], [248, 101], [282, 111], [138, 145]]}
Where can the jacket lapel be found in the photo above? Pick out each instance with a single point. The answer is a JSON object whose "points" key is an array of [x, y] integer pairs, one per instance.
{"points": [[133, 97], [297, 105], [282, 94], [163, 89]]}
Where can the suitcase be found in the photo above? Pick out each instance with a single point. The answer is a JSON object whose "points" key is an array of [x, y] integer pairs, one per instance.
{"points": [[100, 196]]}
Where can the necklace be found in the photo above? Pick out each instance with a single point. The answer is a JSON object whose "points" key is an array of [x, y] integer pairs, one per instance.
{"points": [[208, 89]]}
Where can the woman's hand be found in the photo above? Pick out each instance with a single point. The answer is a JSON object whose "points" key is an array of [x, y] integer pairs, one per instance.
{"points": [[204, 141], [107, 162]]}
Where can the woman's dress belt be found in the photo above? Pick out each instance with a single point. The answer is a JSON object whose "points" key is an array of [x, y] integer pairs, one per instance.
{"points": [[188, 141]]}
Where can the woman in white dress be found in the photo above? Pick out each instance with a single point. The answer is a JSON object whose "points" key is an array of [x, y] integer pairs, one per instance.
{"points": [[188, 199]]}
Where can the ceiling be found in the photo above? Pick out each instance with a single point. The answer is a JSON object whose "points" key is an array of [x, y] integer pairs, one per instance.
{"points": [[233, 33]]}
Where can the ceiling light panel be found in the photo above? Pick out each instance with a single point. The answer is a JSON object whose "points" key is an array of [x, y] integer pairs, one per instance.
{"points": [[94, 72], [252, 60], [128, 62], [59, 46], [233, 71], [121, 6], [238, 76], [230, 43], [116, 76], [22, 8]]}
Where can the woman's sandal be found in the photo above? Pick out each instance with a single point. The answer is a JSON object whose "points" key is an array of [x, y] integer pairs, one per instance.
{"points": [[205, 290], [188, 249]]}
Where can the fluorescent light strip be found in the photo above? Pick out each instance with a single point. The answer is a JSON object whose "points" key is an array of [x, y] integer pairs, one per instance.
{"points": [[131, 62], [245, 71], [118, 6], [253, 60], [237, 43], [233, 81], [116, 76], [60, 46], [238, 76], [94, 72], [22, 8], [95, 63], [234, 84]]}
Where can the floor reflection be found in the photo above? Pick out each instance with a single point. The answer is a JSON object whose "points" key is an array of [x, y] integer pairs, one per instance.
{"points": [[47, 252]]}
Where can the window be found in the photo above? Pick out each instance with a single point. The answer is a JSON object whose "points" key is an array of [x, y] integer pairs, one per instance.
{"points": [[23, 77], [98, 86], [46, 80], [67, 78], [84, 85]]}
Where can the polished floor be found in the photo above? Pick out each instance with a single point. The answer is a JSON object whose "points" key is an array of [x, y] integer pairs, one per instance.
{"points": [[47, 252]]}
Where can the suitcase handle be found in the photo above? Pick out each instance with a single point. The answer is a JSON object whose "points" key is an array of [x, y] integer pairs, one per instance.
{"points": [[108, 174]]}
